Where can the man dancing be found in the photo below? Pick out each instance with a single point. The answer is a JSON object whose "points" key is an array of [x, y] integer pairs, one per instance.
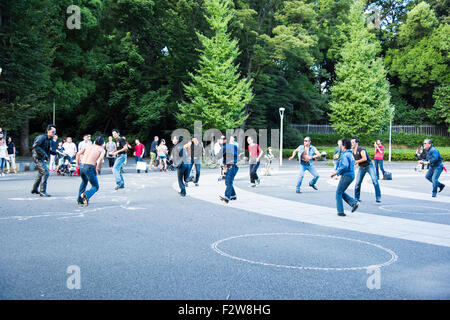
{"points": [[92, 156], [434, 159], [365, 166], [121, 152], [306, 154], [42, 148], [230, 154]]}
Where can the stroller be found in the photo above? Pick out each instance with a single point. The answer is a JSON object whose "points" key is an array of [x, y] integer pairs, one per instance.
{"points": [[170, 165], [67, 167]]}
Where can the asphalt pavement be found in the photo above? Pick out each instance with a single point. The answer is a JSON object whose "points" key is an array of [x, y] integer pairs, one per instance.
{"points": [[147, 242]]}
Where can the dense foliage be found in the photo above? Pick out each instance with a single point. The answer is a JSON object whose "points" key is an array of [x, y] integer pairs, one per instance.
{"points": [[144, 66]]}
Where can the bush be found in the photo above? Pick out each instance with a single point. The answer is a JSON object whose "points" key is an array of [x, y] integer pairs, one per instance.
{"points": [[397, 154], [330, 139]]}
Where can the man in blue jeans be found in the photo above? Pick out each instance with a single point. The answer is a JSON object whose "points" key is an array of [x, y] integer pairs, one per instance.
{"points": [[230, 154], [180, 161], [306, 154], [121, 153], [345, 169], [91, 164], [435, 161], [365, 166]]}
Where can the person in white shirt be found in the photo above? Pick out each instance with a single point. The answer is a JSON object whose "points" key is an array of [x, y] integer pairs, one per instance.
{"points": [[70, 148], [3, 156]]}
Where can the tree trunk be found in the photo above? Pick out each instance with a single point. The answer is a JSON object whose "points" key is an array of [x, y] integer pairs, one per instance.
{"points": [[24, 138]]}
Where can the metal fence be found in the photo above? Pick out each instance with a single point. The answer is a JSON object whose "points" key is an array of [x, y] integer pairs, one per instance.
{"points": [[422, 129]]}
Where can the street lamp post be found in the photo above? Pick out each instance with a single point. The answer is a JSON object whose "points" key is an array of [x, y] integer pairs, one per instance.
{"points": [[281, 110], [390, 132]]}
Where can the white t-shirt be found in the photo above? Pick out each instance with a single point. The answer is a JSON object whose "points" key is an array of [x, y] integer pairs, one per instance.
{"points": [[70, 149], [3, 151]]}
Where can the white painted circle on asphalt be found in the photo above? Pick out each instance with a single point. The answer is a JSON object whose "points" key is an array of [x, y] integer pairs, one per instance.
{"points": [[215, 247], [413, 209]]}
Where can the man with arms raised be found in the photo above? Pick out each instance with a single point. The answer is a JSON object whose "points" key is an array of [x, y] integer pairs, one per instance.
{"points": [[91, 164]]}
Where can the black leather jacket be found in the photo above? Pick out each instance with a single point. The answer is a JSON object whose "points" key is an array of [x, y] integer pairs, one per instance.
{"points": [[42, 147]]}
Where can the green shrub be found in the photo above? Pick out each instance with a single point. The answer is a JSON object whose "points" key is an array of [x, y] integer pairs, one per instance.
{"points": [[406, 139], [397, 154]]}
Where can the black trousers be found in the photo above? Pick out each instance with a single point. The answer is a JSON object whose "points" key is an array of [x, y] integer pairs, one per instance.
{"points": [[43, 173], [182, 174], [253, 172]]}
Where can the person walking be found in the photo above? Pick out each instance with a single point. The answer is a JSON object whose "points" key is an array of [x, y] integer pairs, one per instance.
{"points": [[179, 158], [269, 157], [255, 154], [346, 170], [41, 154], [337, 154], [162, 155], [3, 156], [365, 166], [153, 152], [229, 155], [54, 146], [195, 151], [11, 163], [110, 148], [121, 153], [90, 166], [306, 154], [378, 157], [139, 150], [435, 161]]}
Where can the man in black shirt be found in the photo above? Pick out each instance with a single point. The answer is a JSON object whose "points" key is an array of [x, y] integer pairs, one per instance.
{"points": [[180, 161], [41, 155], [365, 166], [153, 153], [121, 152]]}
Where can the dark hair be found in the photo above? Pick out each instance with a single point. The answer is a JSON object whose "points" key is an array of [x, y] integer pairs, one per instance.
{"points": [[381, 140], [356, 139], [100, 140], [180, 139], [347, 143], [116, 130], [50, 126]]}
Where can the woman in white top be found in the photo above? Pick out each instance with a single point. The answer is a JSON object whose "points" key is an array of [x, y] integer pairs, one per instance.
{"points": [[3, 156], [162, 154]]}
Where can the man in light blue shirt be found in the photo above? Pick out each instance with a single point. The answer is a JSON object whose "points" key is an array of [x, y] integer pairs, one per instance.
{"points": [[434, 159], [345, 169]]}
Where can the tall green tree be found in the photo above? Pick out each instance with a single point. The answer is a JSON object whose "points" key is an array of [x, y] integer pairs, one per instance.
{"points": [[360, 95], [217, 95]]}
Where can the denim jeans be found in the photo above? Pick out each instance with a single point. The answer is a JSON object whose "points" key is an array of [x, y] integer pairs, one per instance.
{"points": [[433, 176], [253, 171], [303, 169], [183, 175], [88, 173], [117, 170], [359, 179], [2, 164], [344, 182], [229, 179], [197, 171], [379, 163]]}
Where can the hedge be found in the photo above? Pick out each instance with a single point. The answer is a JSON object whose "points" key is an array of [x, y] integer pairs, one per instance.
{"points": [[397, 154], [398, 139]]}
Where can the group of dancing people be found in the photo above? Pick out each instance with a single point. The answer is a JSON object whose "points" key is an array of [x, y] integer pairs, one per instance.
{"points": [[187, 155]]}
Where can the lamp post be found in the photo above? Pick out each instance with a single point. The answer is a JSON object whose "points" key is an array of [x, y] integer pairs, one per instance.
{"points": [[390, 132], [281, 110]]}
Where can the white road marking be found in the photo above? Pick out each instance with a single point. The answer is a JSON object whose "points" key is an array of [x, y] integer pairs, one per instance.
{"points": [[419, 231], [215, 247]]}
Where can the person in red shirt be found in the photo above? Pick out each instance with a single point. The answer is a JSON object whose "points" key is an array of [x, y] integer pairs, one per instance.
{"points": [[378, 158], [255, 154], [139, 150]]}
